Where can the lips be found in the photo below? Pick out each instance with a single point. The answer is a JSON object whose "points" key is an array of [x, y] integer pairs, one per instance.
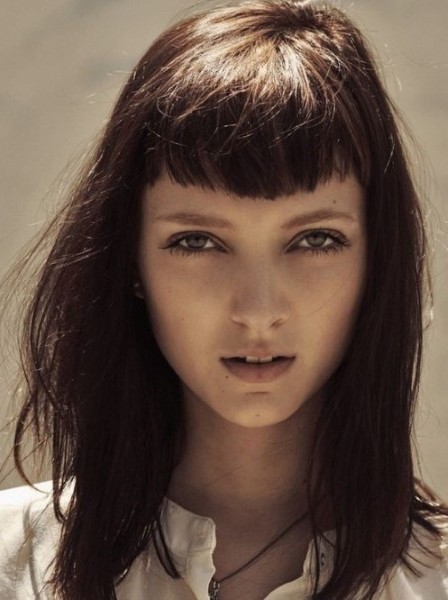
{"points": [[243, 360], [259, 352], [258, 372]]}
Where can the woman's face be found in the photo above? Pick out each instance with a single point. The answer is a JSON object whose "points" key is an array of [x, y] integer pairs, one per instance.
{"points": [[229, 277]]}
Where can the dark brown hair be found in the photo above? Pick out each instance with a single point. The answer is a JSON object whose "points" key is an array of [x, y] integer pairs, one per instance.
{"points": [[259, 99]]}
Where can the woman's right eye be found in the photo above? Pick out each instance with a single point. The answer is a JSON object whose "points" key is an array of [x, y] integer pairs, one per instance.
{"points": [[195, 243]]}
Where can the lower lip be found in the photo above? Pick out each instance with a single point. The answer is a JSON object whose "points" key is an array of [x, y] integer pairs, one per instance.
{"points": [[258, 373]]}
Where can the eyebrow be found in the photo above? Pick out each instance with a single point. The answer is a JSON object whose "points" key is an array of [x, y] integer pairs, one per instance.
{"points": [[210, 220]]}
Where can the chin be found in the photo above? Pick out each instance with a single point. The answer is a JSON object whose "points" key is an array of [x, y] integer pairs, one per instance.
{"points": [[257, 419]]}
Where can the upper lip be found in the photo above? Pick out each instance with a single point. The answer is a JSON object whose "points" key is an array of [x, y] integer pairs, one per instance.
{"points": [[259, 353]]}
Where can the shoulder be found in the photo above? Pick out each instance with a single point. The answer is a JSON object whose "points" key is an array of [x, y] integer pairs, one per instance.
{"points": [[429, 556], [29, 534], [20, 497], [21, 508]]}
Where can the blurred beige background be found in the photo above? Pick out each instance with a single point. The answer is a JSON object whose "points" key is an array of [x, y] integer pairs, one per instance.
{"points": [[63, 62]]}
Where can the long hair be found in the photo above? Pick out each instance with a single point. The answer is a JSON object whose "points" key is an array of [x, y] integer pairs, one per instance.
{"points": [[260, 99]]}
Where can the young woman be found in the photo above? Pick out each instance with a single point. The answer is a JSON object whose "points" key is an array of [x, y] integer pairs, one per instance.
{"points": [[223, 348]]}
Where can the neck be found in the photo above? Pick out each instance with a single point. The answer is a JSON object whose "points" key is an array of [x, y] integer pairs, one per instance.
{"points": [[238, 475]]}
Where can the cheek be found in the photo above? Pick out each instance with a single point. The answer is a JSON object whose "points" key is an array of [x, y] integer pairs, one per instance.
{"points": [[340, 320], [175, 310], [333, 315]]}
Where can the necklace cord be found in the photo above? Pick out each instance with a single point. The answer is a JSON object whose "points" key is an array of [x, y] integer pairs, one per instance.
{"points": [[263, 550]]}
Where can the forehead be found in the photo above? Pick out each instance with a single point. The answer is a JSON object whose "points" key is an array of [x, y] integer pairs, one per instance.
{"points": [[335, 197]]}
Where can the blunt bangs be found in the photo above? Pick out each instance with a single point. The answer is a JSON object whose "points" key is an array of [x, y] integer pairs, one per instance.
{"points": [[262, 104]]}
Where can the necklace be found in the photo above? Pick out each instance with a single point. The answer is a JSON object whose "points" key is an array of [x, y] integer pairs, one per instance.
{"points": [[213, 590]]}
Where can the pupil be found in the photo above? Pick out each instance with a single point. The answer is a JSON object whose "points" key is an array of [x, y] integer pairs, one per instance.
{"points": [[316, 239], [197, 238]]}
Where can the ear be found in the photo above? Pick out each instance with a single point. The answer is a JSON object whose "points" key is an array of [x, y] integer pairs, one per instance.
{"points": [[137, 288]]}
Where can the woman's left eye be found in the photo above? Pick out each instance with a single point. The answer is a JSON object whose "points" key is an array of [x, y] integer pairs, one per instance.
{"points": [[321, 241], [318, 241]]}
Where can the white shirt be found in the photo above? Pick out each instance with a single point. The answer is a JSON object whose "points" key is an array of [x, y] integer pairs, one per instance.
{"points": [[29, 536]]}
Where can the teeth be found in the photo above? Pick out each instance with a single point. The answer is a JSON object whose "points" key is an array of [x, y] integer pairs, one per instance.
{"points": [[254, 359]]}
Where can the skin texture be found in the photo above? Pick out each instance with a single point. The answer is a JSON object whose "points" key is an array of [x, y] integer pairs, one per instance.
{"points": [[256, 285], [260, 286]]}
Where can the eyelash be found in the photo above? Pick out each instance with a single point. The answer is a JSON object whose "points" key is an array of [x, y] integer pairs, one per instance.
{"points": [[339, 243]]}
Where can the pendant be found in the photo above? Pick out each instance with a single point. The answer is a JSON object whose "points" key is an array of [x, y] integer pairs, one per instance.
{"points": [[213, 590]]}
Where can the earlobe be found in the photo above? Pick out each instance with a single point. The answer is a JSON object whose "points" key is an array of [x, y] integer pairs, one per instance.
{"points": [[137, 289]]}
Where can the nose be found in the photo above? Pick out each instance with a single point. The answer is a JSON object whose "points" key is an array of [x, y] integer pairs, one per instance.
{"points": [[259, 299]]}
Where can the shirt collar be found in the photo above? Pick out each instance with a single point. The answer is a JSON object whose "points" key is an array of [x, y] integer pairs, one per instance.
{"points": [[191, 539]]}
